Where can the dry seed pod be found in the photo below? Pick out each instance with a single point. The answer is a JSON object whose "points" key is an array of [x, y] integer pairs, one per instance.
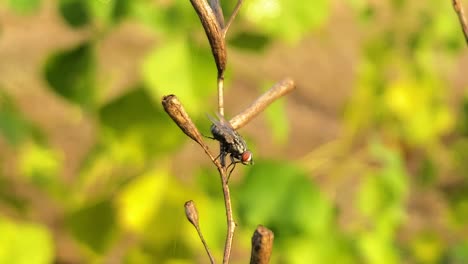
{"points": [[262, 245], [191, 213], [177, 112], [214, 32]]}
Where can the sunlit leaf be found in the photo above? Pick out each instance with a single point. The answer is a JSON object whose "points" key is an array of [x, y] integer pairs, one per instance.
{"points": [[71, 74], [446, 28], [286, 19], [459, 253], [277, 119], [25, 6], [415, 105], [170, 19], [382, 200], [181, 68], [140, 200], [136, 125], [323, 249], [285, 200], [24, 243], [427, 248], [41, 165], [376, 248], [108, 12], [13, 126], [383, 192]]}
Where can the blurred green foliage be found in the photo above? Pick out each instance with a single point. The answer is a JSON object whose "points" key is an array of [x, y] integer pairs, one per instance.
{"points": [[126, 202]]}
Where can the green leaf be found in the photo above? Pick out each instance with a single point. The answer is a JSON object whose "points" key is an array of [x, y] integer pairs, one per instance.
{"points": [[180, 67], [250, 41], [382, 198], [13, 126], [289, 20], [93, 225], [108, 12], [135, 124], [285, 200], [170, 19], [71, 74], [427, 247], [384, 192], [25, 6], [459, 253], [39, 164], [135, 210], [277, 119], [24, 243], [121, 9], [75, 12]]}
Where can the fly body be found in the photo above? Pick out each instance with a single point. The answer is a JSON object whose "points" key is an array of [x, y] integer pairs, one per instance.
{"points": [[231, 142]]}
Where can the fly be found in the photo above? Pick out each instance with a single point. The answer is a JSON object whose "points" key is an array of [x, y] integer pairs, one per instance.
{"points": [[230, 143]]}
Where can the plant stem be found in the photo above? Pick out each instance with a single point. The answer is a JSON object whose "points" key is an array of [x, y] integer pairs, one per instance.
{"points": [[221, 93], [231, 225], [461, 17]]}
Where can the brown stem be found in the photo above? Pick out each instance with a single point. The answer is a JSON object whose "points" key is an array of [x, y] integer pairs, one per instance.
{"points": [[278, 90], [231, 225], [262, 245], [461, 17]]}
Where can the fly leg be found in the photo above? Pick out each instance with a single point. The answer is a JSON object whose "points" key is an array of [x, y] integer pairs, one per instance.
{"points": [[233, 164]]}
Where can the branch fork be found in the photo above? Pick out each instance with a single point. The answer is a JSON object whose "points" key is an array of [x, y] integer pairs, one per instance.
{"points": [[212, 19]]}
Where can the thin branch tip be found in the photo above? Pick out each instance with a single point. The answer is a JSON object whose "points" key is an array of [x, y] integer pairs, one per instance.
{"points": [[278, 90]]}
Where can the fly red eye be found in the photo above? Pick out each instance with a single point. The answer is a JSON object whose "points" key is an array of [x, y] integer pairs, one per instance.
{"points": [[246, 157]]}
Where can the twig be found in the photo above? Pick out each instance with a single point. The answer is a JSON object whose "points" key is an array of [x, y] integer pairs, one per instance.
{"points": [[211, 17], [231, 225], [232, 17], [262, 245], [177, 112], [277, 91], [221, 94], [461, 17], [192, 215]]}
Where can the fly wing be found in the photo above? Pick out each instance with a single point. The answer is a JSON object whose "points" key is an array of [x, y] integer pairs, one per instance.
{"points": [[222, 130], [235, 139]]}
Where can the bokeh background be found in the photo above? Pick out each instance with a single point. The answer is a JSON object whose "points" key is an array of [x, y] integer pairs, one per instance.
{"points": [[365, 162]]}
